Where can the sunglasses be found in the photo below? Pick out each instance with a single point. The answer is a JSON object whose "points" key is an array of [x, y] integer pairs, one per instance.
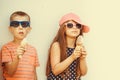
{"points": [[24, 24], [70, 25]]}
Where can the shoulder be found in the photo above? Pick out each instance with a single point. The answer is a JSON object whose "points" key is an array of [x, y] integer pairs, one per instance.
{"points": [[31, 47], [55, 44], [7, 45], [55, 47], [31, 50]]}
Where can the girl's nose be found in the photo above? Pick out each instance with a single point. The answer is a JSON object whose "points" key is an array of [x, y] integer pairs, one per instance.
{"points": [[74, 26]]}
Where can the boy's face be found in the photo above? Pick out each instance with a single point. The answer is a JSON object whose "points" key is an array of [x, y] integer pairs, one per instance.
{"points": [[20, 27]]}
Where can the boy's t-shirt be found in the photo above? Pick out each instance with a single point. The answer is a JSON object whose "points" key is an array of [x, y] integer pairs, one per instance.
{"points": [[26, 65]]}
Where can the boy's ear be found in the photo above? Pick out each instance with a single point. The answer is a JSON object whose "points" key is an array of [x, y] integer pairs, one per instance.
{"points": [[29, 29], [10, 29]]}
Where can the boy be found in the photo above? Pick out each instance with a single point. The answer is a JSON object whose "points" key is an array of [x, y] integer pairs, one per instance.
{"points": [[19, 58]]}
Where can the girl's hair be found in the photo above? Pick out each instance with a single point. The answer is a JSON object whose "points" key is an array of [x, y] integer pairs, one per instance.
{"points": [[61, 39], [19, 13]]}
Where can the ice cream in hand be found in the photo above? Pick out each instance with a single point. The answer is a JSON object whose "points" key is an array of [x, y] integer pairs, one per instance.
{"points": [[23, 42], [21, 47], [79, 40], [79, 43]]}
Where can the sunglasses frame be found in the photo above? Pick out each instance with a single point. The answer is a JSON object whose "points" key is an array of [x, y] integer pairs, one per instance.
{"points": [[77, 25], [17, 23]]}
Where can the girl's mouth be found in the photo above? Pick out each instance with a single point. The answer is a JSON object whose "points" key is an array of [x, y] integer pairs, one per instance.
{"points": [[75, 31]]}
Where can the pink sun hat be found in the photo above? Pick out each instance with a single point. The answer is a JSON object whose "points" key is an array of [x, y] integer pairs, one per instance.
{"points": [[74, 17]]}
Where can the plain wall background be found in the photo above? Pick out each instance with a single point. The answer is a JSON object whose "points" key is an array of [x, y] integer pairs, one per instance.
{"points": [[102, 42]]}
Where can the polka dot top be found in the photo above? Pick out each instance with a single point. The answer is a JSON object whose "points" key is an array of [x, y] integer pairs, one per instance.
{"points": [[70, 74]]}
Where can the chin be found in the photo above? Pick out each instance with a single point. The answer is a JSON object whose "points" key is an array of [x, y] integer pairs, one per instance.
{"points": [[21, 38], [75, 35]]}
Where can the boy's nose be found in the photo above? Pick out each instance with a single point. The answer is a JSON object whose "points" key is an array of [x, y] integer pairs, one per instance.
{"points": [[20, 26]]}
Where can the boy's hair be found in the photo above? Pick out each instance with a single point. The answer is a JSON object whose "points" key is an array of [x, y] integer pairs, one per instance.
{"points": [[19, 13]]}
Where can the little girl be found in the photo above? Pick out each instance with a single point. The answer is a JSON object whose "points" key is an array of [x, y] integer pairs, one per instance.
{"points": [[66, 60]]}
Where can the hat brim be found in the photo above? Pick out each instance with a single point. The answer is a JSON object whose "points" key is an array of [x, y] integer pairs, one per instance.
{"points": [[86, 29]]}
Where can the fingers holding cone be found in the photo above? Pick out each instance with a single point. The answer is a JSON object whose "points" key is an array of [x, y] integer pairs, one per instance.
{"points": [[22, 48]]}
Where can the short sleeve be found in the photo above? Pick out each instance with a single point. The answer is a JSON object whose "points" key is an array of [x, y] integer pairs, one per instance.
{"points": [[6, 55], [36, 59]]}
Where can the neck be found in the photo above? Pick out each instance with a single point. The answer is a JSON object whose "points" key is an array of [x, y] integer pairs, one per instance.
{"points": [[17, 41], [71, 42]]}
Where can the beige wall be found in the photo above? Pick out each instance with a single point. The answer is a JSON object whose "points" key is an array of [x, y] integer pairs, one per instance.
{"points": [[102, 42]]}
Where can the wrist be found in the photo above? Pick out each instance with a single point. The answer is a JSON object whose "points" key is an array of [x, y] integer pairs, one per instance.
{"points": [[19, 56], [73, 56], [83, 57]]}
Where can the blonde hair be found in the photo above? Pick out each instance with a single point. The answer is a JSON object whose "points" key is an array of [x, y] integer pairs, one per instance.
{"points": [[19, 13]]}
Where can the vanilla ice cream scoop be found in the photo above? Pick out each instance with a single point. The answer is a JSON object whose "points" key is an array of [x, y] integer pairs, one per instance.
{"points": [[79, 40], [23, 42]]}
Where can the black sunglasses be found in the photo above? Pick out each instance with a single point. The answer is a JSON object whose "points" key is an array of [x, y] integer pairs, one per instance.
{"points": [[70, 25], [24, 24]]}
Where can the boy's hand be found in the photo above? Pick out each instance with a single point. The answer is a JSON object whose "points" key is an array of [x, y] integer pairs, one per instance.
{"points": [[20, 51]]}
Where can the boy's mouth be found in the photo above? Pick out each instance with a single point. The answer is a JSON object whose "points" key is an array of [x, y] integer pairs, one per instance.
{"points": [[21, 32]]}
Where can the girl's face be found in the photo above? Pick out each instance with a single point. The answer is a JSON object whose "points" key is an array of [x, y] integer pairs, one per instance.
{"points": [[72, 29], [20, 27]]}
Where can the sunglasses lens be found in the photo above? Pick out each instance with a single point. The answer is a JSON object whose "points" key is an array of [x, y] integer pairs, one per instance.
{"points": [[14, 23], [79, 26], [69, 25], [25, 24]]}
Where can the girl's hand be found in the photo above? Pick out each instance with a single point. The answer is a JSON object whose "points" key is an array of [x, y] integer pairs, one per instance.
{"points": [[83, 53], [77, 52]]}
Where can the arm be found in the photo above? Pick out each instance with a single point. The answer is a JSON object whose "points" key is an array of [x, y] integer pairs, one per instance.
{"points": [[56, 65], [1, 74], [12, 66], [83, 65], [35, 74], [36, 64]]}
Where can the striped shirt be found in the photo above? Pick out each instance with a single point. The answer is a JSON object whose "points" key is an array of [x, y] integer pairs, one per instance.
{"points": [[26, 65], [1, 76]]}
